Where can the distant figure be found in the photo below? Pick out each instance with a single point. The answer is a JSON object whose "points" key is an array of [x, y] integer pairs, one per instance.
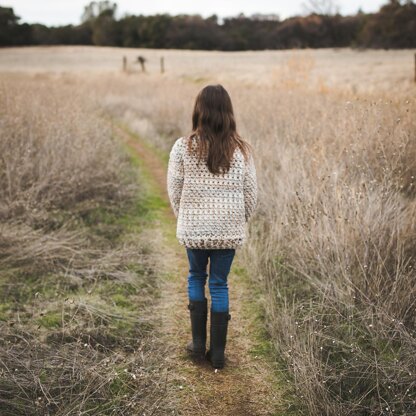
{"points": [[141, 60], [212, 189]]}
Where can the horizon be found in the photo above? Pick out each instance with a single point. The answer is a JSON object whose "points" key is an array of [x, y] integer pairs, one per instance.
{"points": [[65, 12]]}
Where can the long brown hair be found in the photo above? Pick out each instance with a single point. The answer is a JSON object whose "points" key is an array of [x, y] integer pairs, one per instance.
{"points": [[214, 128]]}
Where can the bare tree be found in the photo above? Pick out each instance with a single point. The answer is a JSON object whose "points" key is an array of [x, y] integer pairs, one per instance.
{"points": [[324, 7]]}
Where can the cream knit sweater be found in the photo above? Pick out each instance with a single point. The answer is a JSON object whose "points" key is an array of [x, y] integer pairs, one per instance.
{"points": [[211, 210]]}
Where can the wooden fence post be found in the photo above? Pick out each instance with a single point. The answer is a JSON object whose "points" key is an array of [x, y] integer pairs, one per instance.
{"points": [[162, 65], [124, 63]]}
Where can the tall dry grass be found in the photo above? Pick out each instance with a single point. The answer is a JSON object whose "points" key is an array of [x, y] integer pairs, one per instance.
{"points": [[56, 150], [58, 163], [77, 330], [333, 241], [334, 245]]}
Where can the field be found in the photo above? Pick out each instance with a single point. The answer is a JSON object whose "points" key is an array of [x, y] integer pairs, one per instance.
{"points": [[337, 69], [325, 285]]}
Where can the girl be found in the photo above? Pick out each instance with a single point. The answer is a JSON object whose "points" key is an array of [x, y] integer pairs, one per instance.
{"points": [[212, 189]]}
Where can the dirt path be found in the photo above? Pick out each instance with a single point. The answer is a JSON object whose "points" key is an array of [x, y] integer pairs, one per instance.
{"points": [[248, 384]]}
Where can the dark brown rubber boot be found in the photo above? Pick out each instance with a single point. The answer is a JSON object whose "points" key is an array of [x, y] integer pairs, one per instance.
{"points": [[218, 338], [198, 313]]}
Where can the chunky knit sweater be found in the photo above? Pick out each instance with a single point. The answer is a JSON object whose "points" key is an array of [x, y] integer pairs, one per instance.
{"points": [[211, 209]]}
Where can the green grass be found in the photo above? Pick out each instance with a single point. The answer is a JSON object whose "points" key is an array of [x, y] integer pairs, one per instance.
{"points": [[153, 208], [51, 320], [5, 311], [150, 206], [121, 383], [123, 301]]}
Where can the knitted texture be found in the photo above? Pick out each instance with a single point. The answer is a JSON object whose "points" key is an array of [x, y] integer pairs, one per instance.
{"points": [[211, 209]]}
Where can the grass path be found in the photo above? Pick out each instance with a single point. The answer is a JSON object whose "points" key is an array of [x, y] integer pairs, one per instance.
{"points": [[249, 384]]}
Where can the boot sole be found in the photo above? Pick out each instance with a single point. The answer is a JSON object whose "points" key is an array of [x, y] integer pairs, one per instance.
{"points": [[215, 364], [196, 354]]}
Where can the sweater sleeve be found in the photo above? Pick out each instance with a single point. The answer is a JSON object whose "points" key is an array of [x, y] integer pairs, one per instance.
{"points": [[250, 187], [175, 176]]}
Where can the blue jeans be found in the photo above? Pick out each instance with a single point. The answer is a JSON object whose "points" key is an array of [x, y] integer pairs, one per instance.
{"points": [[219, 267]]}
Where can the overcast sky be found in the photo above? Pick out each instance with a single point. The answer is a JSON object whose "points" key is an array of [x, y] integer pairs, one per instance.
{"points": [[59, 12]]}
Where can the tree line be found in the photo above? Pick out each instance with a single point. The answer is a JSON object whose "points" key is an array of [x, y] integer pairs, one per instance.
{"points": [[393, 26]]}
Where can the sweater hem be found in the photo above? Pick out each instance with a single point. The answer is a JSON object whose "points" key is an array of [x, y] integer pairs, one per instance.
{"points": [[208, 243]]}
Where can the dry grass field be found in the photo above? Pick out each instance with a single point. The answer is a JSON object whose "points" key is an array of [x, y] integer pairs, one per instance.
{"points": [[335, 69], [332, 246]]}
